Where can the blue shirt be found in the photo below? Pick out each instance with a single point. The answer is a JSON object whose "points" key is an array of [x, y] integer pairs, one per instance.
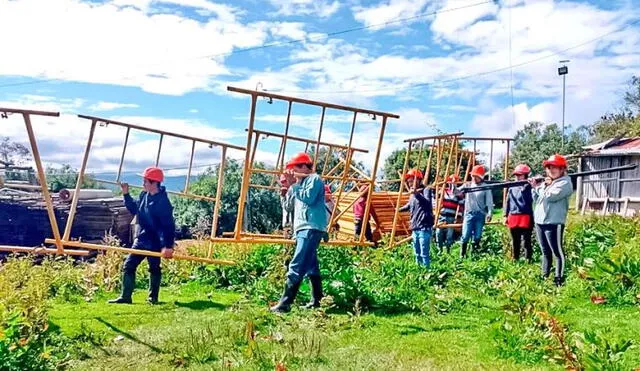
{"points": [[309, 208], [155, 227]]}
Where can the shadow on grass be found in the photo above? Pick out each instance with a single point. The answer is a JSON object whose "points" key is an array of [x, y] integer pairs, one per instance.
{"points": [[129, 336], [200, 305]]}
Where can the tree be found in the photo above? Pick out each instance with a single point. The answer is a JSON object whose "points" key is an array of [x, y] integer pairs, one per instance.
{"points": [[264, 210], [537, 141], [13, 153], [632, 95], [624, 123], [66, 177]]}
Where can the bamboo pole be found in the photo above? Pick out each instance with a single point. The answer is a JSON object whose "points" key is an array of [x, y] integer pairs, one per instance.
{"points": [[124, 150], [188, 195], [317, 148], [126, 250], [246, 176], [345, 173], [159, 149], [280, 241], [490, 159], [326, 158], [475, 150], [396, 214], [216, 206], [76, 193], [41, 250], [427, 173], [372, 184], [193, 150], [43, 183], [420, 155], [443, 187], [506, 174]]}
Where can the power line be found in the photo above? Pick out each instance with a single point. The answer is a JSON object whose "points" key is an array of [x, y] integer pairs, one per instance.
{"points": [[294, 41], [465, 77]]}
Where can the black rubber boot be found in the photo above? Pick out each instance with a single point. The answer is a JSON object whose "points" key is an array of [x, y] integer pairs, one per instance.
{"points": [[558, 281], [288, 296], [128, 284], [463, 250], [316, 292], [154, 287]]}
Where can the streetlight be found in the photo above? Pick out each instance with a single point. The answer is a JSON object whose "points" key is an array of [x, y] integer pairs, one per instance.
{"points": [[563, 71]]}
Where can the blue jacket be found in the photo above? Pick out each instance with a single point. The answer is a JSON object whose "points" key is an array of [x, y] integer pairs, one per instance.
{"points": [[155, 228], [421, 207], [519, 201], [309, 209]]}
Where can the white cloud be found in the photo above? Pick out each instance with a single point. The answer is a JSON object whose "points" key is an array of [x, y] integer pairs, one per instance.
{"points": [[110, 106], [388, 11], [319, 8]]}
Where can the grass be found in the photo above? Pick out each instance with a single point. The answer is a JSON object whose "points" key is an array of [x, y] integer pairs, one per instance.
{"points": [[201, 329]]}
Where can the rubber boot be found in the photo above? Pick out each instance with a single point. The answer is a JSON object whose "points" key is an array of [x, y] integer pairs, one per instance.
{"points": [[288, 296], [154, 287], [316, 292], [558, 281], [463, 250], [128, 284]]}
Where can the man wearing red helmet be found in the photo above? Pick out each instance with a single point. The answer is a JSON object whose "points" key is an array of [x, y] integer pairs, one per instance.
{"points": [[155, 231], [518, 214], [478, 207], [309, 225], [420, 206], [551, 200]]}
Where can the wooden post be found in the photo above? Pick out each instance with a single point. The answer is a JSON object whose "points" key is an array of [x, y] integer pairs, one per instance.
{"points": [[246, 175], [420, 155], [345, 174], [605, 206], [579, 186], [43, 184], [626, 206], [124, 150], [193, 150], [216, 206], [396, 213], [491, 159], [475, 150], [585, 202], [317, 149], [326, 159], [427, 173], [76, 194], [372, 183], [506, 173], [159, 149], [443, 187]]}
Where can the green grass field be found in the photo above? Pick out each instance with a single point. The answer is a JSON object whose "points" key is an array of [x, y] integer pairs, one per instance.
{"points": [[202, 329]]}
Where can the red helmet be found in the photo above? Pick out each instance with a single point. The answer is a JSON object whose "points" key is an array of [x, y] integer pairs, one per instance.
{"points": [[327, 190], [153, 173], [555, 160], [478, 170], [453, 178], [414, 173], [522, 169], [299, 159]]}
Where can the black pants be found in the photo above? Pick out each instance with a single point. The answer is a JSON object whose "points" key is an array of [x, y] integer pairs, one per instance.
{"points": [[132, 262], [550, 238], [520, 237], [368, 235]]}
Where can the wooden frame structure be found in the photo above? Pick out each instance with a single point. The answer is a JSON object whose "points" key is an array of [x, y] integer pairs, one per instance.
{"points": [[450, 154], [350, 175], [65, 240]]}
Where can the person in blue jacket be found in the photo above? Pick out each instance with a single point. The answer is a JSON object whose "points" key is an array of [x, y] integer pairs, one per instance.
{"points": [[420, 206], [518, 214], [309, 226], [155, 231]]}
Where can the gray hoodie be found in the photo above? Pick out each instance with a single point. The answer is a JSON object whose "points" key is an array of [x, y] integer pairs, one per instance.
{"points": [[551, 202], [477, 202]]}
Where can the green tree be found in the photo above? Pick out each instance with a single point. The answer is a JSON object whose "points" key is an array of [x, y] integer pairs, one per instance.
{"points": [[66, 177], [13, 153], [537, 141], [624, 123]]}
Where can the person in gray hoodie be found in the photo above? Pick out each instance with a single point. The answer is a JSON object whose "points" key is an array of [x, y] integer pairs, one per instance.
{"points": [[478, 207], [551, 204]]}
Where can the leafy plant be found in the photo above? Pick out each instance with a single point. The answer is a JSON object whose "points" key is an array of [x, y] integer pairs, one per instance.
{"points": [[600, 353]]}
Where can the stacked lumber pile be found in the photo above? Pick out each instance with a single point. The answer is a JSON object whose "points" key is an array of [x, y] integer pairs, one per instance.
{"points": [[24, 220], [384, 204]]}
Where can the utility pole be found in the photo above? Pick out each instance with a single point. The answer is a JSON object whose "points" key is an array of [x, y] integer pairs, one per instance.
{"points": [[563, 71]]}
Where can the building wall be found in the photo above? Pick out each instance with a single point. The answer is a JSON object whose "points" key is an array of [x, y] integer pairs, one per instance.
{"points": [[611, 184]]}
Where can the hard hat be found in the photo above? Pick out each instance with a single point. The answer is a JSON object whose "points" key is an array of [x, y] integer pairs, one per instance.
{"points": [[153, 173], [555, 160], [522, 169], [414, 173], [299, 159], [478, 170], [453, 178]]}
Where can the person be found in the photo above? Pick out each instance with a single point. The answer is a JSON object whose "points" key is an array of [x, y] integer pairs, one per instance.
{"points": [[518, 214], [359, 207], [420, 207], [551, 204], [478, 207], [287, 205], [309, 225], [155, 231], [330, 204], [452, 206]]}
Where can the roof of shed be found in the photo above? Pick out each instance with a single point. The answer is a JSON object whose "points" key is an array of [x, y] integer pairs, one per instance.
{"points": [[614, 146]]}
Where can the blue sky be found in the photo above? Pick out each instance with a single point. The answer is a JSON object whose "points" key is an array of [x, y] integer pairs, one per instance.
{"points": [[166, 64]]}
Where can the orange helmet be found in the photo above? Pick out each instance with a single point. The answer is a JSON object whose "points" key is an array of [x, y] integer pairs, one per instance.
{"points": [[555, 160], [153, 173], [414, 173], [453, 178], [522, 169], [299, 159], [478, 170]]}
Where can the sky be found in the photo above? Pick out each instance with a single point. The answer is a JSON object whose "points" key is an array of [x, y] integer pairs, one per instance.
{"points": [[482, 67]]}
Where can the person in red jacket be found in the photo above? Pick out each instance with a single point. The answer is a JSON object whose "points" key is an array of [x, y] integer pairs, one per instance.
{"points": [[518, 214]]}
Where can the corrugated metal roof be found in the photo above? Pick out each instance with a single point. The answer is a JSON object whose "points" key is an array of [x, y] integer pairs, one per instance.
{"points": [[615, 146]]}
